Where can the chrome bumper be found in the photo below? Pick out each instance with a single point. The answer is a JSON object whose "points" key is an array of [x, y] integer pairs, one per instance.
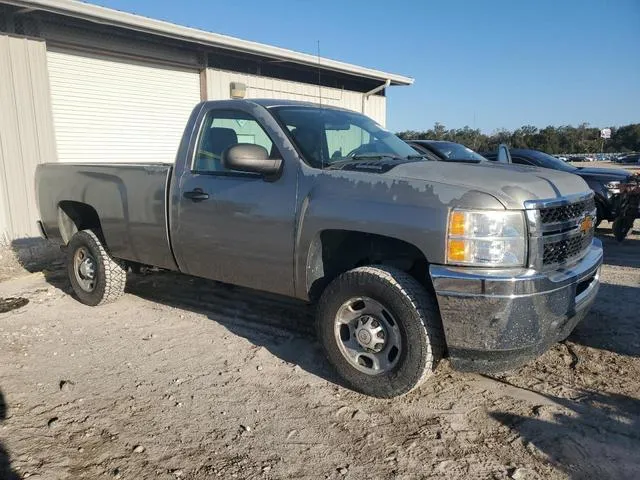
{"points": [[499, 319]]}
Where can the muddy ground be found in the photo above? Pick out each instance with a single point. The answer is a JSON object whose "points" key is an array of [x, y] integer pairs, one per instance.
{"points": [[185, 378]]}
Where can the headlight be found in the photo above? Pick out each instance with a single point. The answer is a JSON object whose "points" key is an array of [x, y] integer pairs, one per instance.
{"points": [[486, 238], [613, 187]]}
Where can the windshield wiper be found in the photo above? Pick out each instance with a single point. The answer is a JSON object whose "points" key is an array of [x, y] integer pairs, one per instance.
{"points": [[364, 157], [463, 160], [376, 156], [420, 155]]}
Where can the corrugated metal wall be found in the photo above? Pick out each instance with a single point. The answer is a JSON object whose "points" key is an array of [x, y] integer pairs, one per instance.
{"points": [[261, 87], [26, 132], [110, 109]]}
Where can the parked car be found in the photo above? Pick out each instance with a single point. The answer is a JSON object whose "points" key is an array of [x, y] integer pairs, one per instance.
{"points": [[452, 151], [580, 159], [445, 150], [407, 258], [629, 158], [605, 182]]}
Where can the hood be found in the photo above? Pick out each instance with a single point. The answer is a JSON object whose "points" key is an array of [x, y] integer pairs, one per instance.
{"points": [[609, 173], [511, 184]]}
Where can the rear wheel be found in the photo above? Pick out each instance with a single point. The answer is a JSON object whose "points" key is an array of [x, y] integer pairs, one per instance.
{"points": [[381, 330], [95, 276]]}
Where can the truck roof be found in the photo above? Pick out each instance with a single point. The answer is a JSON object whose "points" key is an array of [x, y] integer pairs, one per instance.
{"points": [[272, 102]]}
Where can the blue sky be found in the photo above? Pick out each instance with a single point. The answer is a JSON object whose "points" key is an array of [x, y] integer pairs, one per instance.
{"points": [[486, 63]]}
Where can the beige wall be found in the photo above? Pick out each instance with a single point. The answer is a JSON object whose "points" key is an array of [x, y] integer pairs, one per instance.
{"points": [[218, 88], [26, 132]]}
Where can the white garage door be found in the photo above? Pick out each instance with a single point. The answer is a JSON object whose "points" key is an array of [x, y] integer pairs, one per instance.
{"points": [[107, 109]]}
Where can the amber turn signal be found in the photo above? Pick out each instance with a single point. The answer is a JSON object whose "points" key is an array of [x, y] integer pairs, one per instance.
{"points": [[456, 250], [457, 222]]}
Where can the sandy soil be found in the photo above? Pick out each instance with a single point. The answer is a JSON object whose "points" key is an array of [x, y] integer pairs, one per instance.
{"points": [[185, 378]]}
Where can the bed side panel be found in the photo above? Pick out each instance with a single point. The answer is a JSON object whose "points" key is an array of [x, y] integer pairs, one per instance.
{"points": [[130, 200]]}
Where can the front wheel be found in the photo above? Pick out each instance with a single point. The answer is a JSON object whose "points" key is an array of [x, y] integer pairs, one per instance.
{"points": [[95, 276], [381, 330]]}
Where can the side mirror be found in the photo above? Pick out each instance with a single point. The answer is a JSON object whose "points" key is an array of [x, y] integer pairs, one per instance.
{"points": [[246, 157]]}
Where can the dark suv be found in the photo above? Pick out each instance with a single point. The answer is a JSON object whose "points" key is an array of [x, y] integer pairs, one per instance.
{"points": [[605, 182]]}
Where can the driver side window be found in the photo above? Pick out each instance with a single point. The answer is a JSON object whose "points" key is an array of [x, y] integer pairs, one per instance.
{"points": [[222, 129]]}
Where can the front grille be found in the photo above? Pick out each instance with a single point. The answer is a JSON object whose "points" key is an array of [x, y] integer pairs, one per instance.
{"points": [[562, 232], [566, 249], [565, 213]]}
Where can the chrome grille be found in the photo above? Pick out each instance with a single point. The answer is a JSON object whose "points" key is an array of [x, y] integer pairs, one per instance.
{"points": [[565, 213], [564, 250], [558, 232]]}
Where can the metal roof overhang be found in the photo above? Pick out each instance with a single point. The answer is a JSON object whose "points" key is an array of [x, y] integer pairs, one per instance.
{"points": [[116, 18]]}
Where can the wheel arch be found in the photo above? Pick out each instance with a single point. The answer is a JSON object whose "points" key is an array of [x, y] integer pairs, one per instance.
{"points": [[77, 216], [335, 251]]}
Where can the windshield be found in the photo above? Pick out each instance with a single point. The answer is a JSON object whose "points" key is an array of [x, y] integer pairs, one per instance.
{"points": [[547, 161], [327, 136], [456, 151]]}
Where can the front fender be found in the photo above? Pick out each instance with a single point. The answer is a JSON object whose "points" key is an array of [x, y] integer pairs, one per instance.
{"points": [[411, 211]]}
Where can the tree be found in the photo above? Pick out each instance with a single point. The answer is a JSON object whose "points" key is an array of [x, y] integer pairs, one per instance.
{"points": [[564, 139]]}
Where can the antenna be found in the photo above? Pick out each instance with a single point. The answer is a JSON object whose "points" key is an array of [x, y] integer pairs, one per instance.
{"points": [[320, 99], [319, 84]]}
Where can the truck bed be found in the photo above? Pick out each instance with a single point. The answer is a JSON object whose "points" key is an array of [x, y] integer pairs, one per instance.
{"points": [[130, 200]]}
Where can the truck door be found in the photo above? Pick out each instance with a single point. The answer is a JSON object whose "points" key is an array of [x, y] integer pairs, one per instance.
{"points": [[230, 226]]}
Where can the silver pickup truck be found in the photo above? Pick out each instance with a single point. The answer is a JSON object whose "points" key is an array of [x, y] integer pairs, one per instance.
{"points": [[408, 259]]}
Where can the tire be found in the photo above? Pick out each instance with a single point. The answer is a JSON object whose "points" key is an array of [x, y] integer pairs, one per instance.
{"points": [[107, 277], [415, 320], [624, 223], [621, 227], [599, 214]]}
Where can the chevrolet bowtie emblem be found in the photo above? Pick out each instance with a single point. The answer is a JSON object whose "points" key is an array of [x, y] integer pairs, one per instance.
{"points": [[586, 224]]}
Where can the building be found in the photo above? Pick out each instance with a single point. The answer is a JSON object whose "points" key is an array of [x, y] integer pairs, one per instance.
{"points": [[79, 82]]}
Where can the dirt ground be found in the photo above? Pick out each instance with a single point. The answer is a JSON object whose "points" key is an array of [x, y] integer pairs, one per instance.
{"points": [[189, 379]]}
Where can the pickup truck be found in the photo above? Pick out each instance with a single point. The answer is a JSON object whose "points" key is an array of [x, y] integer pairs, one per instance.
{"points": [[408, 259]]}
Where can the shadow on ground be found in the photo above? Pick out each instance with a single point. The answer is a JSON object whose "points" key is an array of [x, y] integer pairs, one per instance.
{"points": [[612, 323], [594, 436], [282, 325], [36, 254], [623, 254], [6, 472]]}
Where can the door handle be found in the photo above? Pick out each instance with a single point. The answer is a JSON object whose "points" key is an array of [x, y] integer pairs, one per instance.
{"points": [[196, 195]]}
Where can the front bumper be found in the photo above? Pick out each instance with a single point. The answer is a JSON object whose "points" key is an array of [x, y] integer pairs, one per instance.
{"points": [[499, 319]]}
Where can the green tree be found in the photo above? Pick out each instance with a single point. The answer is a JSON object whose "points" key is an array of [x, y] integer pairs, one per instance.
{"points": [[563, 139]]}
